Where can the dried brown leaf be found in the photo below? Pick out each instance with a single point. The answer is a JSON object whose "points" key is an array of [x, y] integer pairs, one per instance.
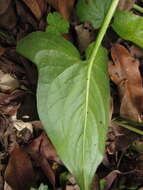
{"points": [[42, 5], [7, 15], [10, 103], [84, 36], [126, 4], [7, 82], [136, 51], [19, 173], [27, 20], [110, 178], [125, 73], [33, 5], [41, 150], [63, 6]]}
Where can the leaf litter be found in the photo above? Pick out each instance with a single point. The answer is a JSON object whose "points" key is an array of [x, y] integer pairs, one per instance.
{"points": [[22, 136]]}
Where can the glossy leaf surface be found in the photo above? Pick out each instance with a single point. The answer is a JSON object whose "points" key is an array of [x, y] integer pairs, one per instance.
{"points": [[129, 27], [93, 11], [73, 101]]}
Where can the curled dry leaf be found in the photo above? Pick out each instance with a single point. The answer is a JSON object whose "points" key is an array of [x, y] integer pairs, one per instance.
{"points": [[41, 150], [36, 7], [43, 145], [125, 73], [19, 173], [63, 6]]}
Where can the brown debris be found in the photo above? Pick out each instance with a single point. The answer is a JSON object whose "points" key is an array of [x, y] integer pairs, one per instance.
{"points": [[125, 73], [36, 7], [7, 15], [136, 51], [42, 151], [85, 35], [126, 4], [110, 178], [19, 173], [7, 82], [63, 6]]}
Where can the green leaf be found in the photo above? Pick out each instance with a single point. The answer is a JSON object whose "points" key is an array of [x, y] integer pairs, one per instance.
{"points": [[129, 27], [102, 183], [94, 11], [42, 187], [73, 101], [56, 24]]}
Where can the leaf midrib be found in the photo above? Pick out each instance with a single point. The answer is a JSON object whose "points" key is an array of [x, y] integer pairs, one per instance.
{"points": [[90, 62]]}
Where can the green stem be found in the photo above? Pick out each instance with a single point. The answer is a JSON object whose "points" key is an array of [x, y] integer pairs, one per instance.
{"points": [[138, 8], [103, 29], [135, 130]]}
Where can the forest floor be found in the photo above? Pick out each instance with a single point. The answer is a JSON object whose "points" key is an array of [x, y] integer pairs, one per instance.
{"points": [[27, 157]]}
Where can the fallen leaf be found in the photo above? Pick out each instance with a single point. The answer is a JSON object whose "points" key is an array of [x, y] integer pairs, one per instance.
{"points": [[126, 5], [7, 82], [20, 125], [19, 173], [10, 103], [110, 178], [63, 6], [8, 66], [7, 15], [42, 5], [136, 51], [125, 73], [26, 20], [84, 36], [7, 135], [33, 5], [41, 150]]}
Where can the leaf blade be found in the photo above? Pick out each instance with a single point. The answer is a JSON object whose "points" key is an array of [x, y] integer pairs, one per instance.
{"points": [[129, 26], [56, 24], [65, 94], [94, 11]]}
